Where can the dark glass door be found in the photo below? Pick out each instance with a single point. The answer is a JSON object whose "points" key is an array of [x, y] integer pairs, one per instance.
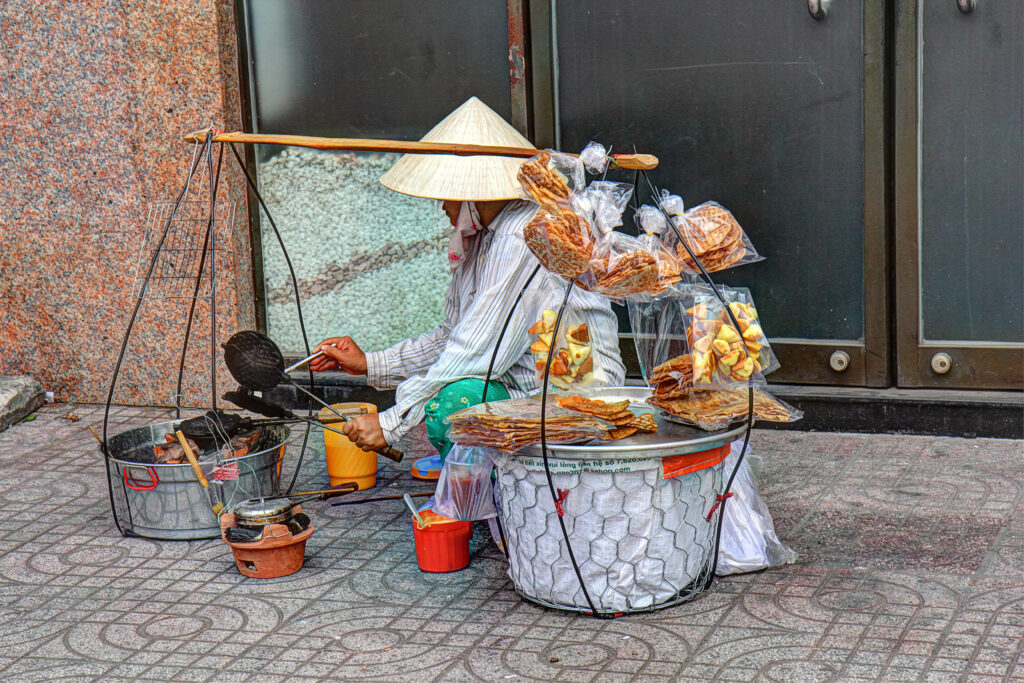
{"points": [[960, 193], [776, 115]]}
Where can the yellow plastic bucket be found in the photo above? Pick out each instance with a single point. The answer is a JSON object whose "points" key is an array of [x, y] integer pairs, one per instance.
{"points": [[346, 461]]}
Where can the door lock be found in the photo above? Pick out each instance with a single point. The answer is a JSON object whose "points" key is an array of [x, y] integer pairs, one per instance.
{"points": [[839, 361], [941, 363]]}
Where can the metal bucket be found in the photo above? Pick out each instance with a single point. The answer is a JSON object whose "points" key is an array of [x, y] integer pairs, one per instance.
{"points": [[166, 502]]}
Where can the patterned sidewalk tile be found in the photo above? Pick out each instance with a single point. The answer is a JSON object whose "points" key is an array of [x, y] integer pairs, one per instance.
{"points": [[911, 555]]}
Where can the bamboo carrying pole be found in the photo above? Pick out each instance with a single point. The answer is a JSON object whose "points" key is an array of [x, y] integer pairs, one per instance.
{"points": [[624, 161]]}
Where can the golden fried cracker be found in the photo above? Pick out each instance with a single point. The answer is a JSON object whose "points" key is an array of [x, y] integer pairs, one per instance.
{"points": [[645, 422], [619, 433]]}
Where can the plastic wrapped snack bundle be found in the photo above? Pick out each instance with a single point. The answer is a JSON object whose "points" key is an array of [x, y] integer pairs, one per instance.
{"points": [[725, 356], [550, 178], [561, 239], [574, 365], [621, 267], [715, 238], [715, 409], [654, 232], [659, 333]]}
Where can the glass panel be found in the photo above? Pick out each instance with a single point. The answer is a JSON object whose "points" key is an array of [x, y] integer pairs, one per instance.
{"points": [[749, 103], [371, 263], [972, 161]]}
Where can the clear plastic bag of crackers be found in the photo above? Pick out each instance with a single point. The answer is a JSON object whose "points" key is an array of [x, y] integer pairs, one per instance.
{"points": [[715, 238], [658, 236], [561, 239], [727, 351], [627, 267], [574, 364], [550, 178], [715, 409], [659, 334]]}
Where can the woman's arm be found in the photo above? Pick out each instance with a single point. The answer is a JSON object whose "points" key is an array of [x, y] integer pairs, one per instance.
{"points": [[471, 340]]}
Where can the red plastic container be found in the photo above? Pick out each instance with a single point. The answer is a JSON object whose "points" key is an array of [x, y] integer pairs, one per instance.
{"points": [[443, 544]]}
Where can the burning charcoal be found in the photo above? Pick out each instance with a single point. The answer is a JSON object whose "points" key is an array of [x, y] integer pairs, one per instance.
{"points": [[171, 451], [243, 443]]}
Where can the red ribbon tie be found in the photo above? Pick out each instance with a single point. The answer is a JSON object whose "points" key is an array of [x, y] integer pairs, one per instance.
{"points": [[562, 495], [718, 501]]}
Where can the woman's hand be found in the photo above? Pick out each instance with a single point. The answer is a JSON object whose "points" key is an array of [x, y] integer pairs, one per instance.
{"points": [[341, 353], [365, 432]]}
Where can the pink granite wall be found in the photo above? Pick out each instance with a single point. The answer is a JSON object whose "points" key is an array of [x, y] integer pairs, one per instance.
{"points": [[94, 96]]}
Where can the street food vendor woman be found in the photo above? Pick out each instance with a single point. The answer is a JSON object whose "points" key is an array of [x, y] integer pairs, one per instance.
{"points": [[443, 371]]}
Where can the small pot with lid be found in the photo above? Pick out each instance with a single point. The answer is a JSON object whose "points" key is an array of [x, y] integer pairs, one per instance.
{"points": [[268, 535], [258, 512]]}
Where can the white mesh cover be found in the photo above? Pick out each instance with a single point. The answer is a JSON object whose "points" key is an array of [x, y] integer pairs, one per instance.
{"points": [[641, 541]]}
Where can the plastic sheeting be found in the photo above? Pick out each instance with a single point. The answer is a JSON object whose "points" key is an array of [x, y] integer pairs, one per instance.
{"points": [[464, 490], [749, 541]]}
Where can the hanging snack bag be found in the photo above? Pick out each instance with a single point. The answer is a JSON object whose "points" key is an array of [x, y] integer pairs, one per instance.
{"points": [[714, 237], [622, 267], [561, 240], [550, 178], [654, 231], [718, 408], [724, 356], [572, 364], [659, 333]]}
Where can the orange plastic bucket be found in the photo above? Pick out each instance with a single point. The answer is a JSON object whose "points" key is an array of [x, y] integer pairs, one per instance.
{"points": [[346, 461], [443, 544]]}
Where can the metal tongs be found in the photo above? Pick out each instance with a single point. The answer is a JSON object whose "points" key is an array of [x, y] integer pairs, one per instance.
{"points": [[249, 401]]}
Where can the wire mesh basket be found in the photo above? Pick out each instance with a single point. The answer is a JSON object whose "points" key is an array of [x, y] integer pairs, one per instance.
{"points": [[176, 272], [642, 541]]}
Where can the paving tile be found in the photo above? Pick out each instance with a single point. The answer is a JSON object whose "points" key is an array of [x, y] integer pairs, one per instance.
{"points": [[909, 570]]}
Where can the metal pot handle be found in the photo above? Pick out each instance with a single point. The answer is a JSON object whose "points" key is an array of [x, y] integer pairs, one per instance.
{"points": [[135, 485]]}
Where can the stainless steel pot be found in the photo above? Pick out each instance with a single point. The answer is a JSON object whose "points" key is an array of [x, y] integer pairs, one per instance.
{"points": [[165, 501]]}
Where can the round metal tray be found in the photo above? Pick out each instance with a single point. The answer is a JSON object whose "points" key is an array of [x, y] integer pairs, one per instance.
{"points": [[672, 438]]}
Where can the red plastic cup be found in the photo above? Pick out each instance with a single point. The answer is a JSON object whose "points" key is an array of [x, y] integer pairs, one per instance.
{"points": [[443, 544]]}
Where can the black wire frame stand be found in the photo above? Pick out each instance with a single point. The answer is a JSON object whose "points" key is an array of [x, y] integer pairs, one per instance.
{"points": [[706, 575], [207, 265]]}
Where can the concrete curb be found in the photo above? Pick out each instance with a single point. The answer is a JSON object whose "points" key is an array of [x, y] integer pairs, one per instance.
{"points": [[20, 396]]}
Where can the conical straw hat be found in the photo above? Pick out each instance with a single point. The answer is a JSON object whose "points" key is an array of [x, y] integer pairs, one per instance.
{"points": [[470, 178]]}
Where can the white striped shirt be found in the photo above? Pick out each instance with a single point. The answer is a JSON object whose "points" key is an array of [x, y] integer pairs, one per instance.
{"points": [[483, 288]]}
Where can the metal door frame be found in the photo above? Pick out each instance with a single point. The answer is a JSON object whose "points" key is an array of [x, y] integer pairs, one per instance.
{"points": [[804, 361], [982, 365]]}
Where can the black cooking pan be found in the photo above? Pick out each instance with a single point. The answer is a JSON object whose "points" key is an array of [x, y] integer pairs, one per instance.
{"points": [[247, 401]]}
